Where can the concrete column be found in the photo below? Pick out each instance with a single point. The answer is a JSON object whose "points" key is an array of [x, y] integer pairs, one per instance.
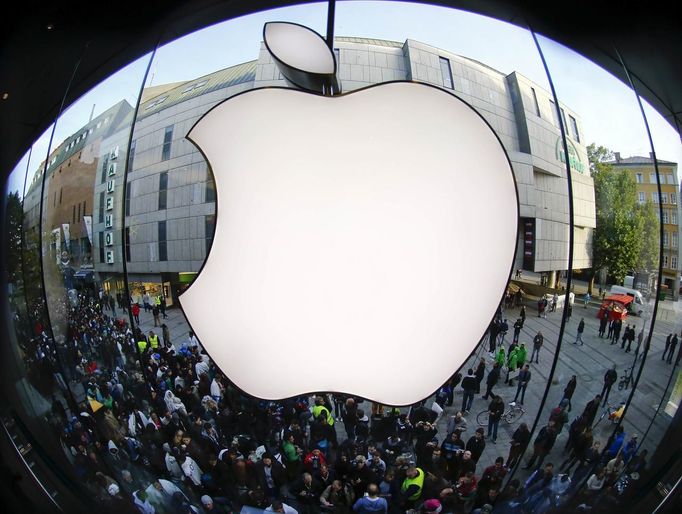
{"points": [[551, 279]]}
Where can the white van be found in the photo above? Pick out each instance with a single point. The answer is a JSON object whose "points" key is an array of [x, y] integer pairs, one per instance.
{"points": [[638, 298]]}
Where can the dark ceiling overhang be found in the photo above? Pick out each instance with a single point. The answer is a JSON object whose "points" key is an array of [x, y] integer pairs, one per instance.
{"points": [[43, 69]]}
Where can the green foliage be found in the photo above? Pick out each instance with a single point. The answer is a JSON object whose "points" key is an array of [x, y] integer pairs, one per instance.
{"points": [[649, 253], [617, 244], [14, 216]]}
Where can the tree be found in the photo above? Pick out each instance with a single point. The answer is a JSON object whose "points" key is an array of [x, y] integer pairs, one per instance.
{"points": [[649, 253], [617, 241], [14, 216]]}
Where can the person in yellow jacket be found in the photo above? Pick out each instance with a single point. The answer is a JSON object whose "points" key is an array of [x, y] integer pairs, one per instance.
{"points": [[320, 407], [153, 340], [412, 487], [142, 344]]}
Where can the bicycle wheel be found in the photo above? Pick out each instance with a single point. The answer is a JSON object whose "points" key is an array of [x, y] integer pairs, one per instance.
{"points": [[482, 418], [513, 415]]}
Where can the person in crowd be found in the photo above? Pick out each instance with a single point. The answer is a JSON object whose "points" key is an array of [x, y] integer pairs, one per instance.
{"points": [[493, 377], [610, 378], [542, 445], [538, 341], [519, 441], [470, 387]]}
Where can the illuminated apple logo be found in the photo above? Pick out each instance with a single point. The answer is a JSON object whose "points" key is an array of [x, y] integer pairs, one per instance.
{"points": [[363, 241]]}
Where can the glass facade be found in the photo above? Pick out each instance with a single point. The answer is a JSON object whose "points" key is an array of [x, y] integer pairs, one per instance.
{"points": [[112, 213]]}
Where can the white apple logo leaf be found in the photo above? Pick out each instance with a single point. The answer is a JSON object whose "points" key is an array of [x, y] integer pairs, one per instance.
{"points": [[362, 241]]}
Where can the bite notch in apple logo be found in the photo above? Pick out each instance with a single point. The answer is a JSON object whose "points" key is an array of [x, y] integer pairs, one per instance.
{"points": [[363, 241]]}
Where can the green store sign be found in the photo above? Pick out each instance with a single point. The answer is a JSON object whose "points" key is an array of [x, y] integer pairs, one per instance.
{"points": [[573, 159]]}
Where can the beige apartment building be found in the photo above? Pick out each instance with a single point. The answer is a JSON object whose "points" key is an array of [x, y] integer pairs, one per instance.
{"points": [[644, 173]]}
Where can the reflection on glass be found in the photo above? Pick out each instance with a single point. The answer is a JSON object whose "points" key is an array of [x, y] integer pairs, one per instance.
{"points": [[634, 207], [128, 204]]}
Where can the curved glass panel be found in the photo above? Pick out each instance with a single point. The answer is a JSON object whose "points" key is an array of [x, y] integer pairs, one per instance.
{"points": [[633, 210], [77, 339], [118, 402], [496, 69]]}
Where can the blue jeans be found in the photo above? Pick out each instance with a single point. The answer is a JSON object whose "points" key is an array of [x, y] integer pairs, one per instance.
{"points": [[492, 428]]}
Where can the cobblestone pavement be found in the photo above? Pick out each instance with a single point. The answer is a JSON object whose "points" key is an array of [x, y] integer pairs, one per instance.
{"points": [[588, 362]]}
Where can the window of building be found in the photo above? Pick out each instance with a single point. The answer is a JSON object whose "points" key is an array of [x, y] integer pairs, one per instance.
{"points": [[664, 197], [555, 113], [666, 240], [666, 216], [153, 103], [163, 245], [128, 189], [79, 212], [101, 246], [105, 166], [665, 261], [85, 203], [673, 263], [210, 191], [192, 87], [131, 155], [640, 178], [642, 197], [673, 198], [673, 217], [127, 244], [654, 196], [446, 72], [652, 178], [209, 227], [100, 216], [563, 119], [574, 128], [167, 139], [74, 214], [163, 189], [673, 236], [60, 195], [671, 180], [535, 102]]}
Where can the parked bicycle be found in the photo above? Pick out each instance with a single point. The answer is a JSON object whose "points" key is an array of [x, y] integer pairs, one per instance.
{"points": [[511, 415], [626, 380], [611, 412]]}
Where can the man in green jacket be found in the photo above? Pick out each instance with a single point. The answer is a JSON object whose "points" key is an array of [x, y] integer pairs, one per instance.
{"points": [[292, 457], [511, 364], [499, 357]]}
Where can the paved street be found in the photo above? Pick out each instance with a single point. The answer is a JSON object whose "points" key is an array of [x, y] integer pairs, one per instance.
{"points": [[588, 362]]}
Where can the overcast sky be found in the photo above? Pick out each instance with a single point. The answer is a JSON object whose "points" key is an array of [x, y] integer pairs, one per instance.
{"points": [[608, 109]]}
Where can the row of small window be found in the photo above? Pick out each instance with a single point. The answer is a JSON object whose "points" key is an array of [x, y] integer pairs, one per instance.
{"points": [[209, 227], [668, 238], [669, 217], [446, 72], [82, 136], [665, 198], [652, 178], [670, 263], [188, 89]]}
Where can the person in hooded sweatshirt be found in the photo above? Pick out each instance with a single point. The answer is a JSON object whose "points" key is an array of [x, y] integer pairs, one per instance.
{"points": [[371, 502]]}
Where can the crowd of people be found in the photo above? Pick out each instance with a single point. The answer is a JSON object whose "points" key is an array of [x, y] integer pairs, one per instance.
{"points": [[159, 429]]}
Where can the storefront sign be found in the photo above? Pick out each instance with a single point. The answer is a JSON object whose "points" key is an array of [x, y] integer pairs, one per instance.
{"points": [[573, 158]]}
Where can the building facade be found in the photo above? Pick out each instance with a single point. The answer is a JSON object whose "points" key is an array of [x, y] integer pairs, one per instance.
{"points": [[169, 205], [643, 172]]}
